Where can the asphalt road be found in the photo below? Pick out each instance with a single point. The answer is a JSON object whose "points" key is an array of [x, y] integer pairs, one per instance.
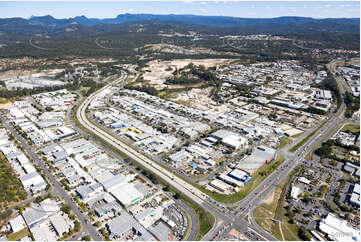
{"points": [[293, 159], [58, 189], [194, 220], [187, 189]]}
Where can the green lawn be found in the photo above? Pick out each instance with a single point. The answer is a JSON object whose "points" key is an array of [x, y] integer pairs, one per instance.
{"points": [[18, 235], [4, 100], [263, 219], [297, 135], [274, 209], [284, 141], [206, 219], [304, 140], [351, 127], [290, 231]]}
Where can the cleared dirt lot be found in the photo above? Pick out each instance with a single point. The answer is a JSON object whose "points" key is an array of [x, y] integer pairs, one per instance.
{"points": [[158, 71], [197, 98]]}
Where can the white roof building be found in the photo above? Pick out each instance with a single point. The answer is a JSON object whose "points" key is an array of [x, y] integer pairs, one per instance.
{"points": [[220, 185], [59, 223], [234, 141], [17, 223], [31, 179], [304, 180], [338, 229], [295, 192], [126, 194]]}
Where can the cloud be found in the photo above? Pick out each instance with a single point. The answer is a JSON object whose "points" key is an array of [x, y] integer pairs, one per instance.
{"points": [[203, 10], [83, 9], [130, 10]]}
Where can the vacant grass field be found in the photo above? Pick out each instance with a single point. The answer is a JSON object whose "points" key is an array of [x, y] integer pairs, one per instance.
{"points": [[19, 235], [284, 141], [272, 207], [4, 100], [351, 127]]}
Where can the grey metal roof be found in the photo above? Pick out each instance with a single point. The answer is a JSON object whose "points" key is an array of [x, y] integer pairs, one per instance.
{"points": [[49, 149], [84, 190], [28, 176], [60, 155], [161, 231], [31, 215], [114, 181], [104, 208], [222, 133], [121, 224]]}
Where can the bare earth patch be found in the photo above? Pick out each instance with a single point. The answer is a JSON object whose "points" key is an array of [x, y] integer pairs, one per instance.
{"points": [[158, 71], [197, 98]]}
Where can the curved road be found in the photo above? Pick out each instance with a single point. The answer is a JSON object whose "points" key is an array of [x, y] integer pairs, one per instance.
{"points": [[187, 189]]}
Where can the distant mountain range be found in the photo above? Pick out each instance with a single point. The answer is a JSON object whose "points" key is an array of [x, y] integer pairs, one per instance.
{"points": [[48, 24]]}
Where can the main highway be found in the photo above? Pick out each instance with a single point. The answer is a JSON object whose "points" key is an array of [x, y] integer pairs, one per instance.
{"points": [[179, 184], [245, 206], [333, 124]]}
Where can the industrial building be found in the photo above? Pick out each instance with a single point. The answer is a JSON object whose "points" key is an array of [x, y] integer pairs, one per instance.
{"points": [[337, 229], [221, 186], [239, 175], [259, 156], [295, 191], [17, 224], [125, 227]]}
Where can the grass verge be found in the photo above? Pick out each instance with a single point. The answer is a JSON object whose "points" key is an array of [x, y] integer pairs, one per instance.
{"points": [[284, 141], [272, 208], [304, 140], [351, 127], [19, 235], [206, 219]]}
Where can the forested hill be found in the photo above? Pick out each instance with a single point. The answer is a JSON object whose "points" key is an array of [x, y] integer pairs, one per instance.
{"points": [[42, 24]]}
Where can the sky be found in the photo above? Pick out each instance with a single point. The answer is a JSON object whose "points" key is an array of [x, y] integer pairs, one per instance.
{"points": [[247, 9]]}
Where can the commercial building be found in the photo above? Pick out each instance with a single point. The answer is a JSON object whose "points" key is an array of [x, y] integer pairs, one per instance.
{"points": [[60, 225], [229, 138], [230, 180], [295, 191], [337, 229], [33, 181], [88, 191], [239, 175], [17, 224], [354, 198], [125, 227], [259, 156], [323, 94], [180, 157], [161, 231], [304, 180], [126, 194], [221, 186], [32, 215]]}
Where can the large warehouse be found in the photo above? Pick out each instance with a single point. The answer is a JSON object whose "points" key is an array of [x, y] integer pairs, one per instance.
{"points": [[230, 138], [259, 156]]}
